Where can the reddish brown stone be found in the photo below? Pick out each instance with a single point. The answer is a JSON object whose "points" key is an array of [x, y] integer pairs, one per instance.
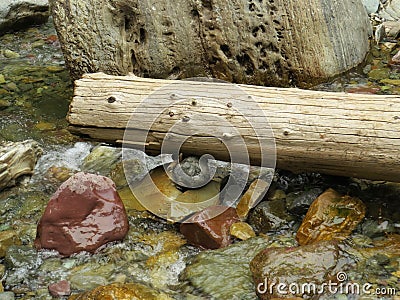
{"points": [[59, 289], [210, 227], [82, 215]]}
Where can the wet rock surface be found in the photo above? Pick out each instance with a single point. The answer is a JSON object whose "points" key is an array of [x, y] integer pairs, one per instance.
{"points": [[330, 216], [301, 265], [84, 214], [210, 228]]}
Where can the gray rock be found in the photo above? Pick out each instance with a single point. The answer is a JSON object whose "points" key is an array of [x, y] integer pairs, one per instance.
{"points": [[371, 5], [391, 11], [18, 14], [7, 296], [299, 202]]}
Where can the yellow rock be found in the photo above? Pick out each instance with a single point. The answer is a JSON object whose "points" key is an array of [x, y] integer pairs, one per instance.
{"points": [[330, 216], [119, 291], [195, 200], [7, 239], [391, 81], [158, 193], [242, 231], [45, 126], [252, 195], [129, 199]]}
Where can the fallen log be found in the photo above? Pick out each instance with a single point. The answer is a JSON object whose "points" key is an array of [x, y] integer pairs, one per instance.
{"points": [[334, 133]]}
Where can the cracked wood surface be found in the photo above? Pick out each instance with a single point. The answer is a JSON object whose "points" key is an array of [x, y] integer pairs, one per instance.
{"points": [[334, 133]]}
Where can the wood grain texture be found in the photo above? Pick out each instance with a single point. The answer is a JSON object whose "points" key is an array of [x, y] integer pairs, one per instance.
{"points": [[334, 133]]}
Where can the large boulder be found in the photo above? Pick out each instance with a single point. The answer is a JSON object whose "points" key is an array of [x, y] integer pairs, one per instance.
{"points": [[82, 215], [18, 14], [281, 42]]}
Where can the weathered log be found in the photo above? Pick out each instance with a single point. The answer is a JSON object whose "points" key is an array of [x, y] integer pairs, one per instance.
{"points": [[334, 133], [263, 42]]}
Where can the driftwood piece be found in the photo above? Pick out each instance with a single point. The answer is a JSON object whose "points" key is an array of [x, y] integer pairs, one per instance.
{"points": [[262, 42], [334, 133]]}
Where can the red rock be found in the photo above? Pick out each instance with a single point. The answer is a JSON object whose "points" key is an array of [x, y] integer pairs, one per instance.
{"points": [[210, 228], [59, 289], [82, 215], [364, 90]]}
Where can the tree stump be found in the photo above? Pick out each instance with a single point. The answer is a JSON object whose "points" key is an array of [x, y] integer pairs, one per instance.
{"points": [[261, 42]]}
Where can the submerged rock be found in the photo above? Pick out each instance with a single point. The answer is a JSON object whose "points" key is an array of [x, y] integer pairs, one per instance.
{"points": [[59, 289], [225, 273], [119, 291], [102, 160], [310, 264], [17, 159], [7, 239], [210, 228], [84, 214], [330, 216], [18, 14]]}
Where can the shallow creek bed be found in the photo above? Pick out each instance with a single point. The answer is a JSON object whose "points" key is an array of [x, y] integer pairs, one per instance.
{"points": [[308, 229]]}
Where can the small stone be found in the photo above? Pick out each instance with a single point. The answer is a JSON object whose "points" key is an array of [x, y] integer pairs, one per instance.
{"points": [[4, 104], [37, 44], [378, 74], [101, 217], [390, 81], [7, 239], [269, 216], [330, 216], [59, 289], [55, 69], [242, 231], [2, 79], [45, 126], [210, 228], [310, 264], [396, 59], [10, 54], [252, 196], [86, 282]]}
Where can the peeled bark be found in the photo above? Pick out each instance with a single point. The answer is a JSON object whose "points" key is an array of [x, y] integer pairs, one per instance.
{"points": [[261, 42], [334, 133]]}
